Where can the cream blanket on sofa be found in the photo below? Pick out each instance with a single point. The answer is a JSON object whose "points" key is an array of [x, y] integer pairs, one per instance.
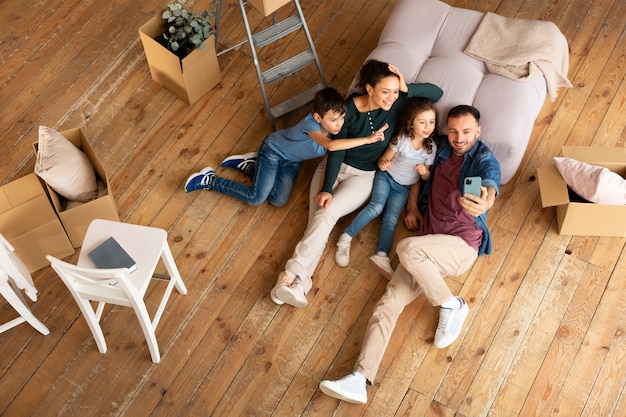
{"points": [[520, 49]]}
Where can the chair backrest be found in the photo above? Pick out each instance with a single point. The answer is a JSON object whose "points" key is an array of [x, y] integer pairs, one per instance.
{"points": [[103, 285], [15, 269]]}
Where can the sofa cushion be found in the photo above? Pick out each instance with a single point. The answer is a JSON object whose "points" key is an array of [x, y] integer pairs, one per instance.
{"points": [[432, 51]]}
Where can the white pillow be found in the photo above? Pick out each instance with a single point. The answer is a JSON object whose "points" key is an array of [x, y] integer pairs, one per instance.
{"points": [[64, 167], [592, 182]]}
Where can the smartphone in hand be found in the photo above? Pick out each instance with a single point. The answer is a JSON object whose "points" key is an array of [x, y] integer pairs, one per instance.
{"points": [[471, 185]]}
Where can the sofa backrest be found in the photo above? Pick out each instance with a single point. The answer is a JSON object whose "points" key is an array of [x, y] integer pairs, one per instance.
{"points": [[425, 39]]}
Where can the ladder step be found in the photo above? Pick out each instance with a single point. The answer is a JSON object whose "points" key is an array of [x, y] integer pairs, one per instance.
{"points": [[288, 67], [277, 31], [295, 102]]}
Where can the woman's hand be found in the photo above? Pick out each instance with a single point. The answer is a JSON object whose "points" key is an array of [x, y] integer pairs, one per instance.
{"points": [[323, 199], [403, 87]]}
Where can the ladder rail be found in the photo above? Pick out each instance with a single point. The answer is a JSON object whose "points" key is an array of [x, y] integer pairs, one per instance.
{"points": [[283, 69], [257, 65], [311, 44]]}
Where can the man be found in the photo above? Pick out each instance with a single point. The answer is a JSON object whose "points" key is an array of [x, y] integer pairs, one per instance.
{"points": [[452, 234]]}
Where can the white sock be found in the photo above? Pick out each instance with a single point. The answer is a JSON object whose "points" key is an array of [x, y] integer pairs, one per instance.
{"points": [[345, 237], [452, 303], [381, 253]]}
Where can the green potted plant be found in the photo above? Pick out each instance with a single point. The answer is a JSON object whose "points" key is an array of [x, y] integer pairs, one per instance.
{"points": [[185, 30], [180, 50]]}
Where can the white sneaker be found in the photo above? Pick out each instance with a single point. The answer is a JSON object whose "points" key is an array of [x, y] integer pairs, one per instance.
{"points": [[342, 256], [382, 265], [288, 291], [349, 388], [283, 280], [450, 324]]}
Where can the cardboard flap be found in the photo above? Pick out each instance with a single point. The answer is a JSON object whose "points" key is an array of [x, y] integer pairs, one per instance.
{"points": [[197, 57], [594, 155], [552, 187], [19, 192]]}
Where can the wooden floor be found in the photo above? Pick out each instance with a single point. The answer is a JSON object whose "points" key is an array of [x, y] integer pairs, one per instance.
{"points": [[546, 331]]}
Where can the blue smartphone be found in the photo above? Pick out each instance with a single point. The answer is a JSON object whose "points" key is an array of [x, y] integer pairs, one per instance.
{"points": [[471, 185]]}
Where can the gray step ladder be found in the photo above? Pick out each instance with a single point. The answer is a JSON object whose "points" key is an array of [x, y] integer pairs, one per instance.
{"points": [[284, 69]]}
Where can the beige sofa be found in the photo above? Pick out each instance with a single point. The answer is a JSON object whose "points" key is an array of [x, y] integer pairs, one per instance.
{"points": [[425, 39]]}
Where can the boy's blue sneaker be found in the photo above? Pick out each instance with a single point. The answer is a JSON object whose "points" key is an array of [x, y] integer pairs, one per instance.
{"points": [[244, 163], [202, 180]]}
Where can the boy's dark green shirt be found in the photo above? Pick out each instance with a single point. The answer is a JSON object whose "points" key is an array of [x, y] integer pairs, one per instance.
{"points": [[357, 125]]}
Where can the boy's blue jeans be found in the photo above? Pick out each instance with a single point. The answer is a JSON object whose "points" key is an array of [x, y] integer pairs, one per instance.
{"points": [[273, 180], [388, 198]]}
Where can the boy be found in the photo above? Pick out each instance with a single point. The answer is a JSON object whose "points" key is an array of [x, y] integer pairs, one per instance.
{"points": [[281, 153]]}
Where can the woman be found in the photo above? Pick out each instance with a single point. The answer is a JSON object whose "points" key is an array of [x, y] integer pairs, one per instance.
{"points": [[348, 175]]}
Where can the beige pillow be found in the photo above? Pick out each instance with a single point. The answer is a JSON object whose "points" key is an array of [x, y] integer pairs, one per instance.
{"points": [[592, 182], [64, 167]]}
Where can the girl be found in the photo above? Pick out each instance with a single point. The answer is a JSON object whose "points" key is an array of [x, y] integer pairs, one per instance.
{"points": [[407, 159], [346, 177]]}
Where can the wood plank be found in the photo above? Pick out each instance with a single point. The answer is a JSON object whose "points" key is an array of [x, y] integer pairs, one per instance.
{"points": [[487, 381], [559, 359], [544, 333], [575, 392]]}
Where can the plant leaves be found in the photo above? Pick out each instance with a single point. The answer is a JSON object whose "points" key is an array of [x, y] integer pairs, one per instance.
{"points": [[185, 29]]}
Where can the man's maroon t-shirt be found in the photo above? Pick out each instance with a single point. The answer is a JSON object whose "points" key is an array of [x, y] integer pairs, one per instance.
{"points": [[445, 215]]}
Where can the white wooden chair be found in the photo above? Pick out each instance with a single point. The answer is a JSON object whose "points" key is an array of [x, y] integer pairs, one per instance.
{"points": [[14, 277], [146, 245]]}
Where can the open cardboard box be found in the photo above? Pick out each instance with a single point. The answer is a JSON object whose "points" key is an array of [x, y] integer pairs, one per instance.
{"points": [[190, 79], [584, 218], [267, 7], [76, 217], [29, 223]]}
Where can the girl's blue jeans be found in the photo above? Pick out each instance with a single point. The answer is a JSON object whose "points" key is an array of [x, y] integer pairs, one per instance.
{"points": [[273, 180], [388, 198]]}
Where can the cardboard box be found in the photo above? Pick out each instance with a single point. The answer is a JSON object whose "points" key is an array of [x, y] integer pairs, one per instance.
{"points": [[76, 219], [29, 223], [267, 7], [190, 78], [584, 218]]}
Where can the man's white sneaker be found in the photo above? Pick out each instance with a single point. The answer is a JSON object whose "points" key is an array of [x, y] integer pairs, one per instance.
{"points": [[450, 324], [342, 256], [349, 388], [382, 265]]}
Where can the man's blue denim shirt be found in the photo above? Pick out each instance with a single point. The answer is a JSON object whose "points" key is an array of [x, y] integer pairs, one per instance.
{"points": [[478, 162]]}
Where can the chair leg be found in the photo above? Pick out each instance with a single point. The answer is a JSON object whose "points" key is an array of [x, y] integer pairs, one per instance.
{"points": [[175, 280], [18, 303], [172, 269], [164, 299], [148, 330], [93, 323]]}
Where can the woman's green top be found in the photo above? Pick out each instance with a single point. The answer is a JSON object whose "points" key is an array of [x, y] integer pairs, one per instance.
{"points": [[357, 125]]}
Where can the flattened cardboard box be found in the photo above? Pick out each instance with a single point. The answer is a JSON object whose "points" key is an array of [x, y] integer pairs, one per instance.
{"points": [[200, 71], [267, 7], [76, 219], [584, 219], [29, 223]]}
